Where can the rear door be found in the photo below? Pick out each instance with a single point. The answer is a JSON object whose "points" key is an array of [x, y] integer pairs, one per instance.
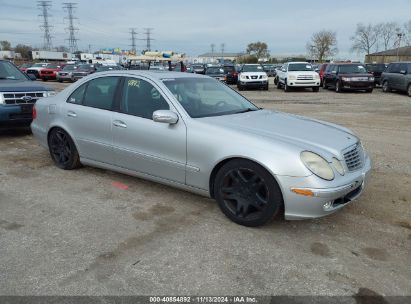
{"points": [[402, 77], [142, 145], [88, 115]]}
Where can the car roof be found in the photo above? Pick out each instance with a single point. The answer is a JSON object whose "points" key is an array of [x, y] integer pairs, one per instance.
{"points": [[304, 62], [158, 74]]}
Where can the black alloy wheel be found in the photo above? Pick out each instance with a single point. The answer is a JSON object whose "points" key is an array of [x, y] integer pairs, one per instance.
{"points": [[247, 193], [385, 87], [62, 150]]}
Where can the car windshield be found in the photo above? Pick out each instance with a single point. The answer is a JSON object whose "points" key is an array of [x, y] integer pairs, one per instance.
{"points": [[10, 72], [229, 69], [207, 97], [352, 69], [300, 67], [52, 66], [376, 67], [39, 65], [252, 68], [84, 67], [198, 67], [215, 70], [69, 67]]}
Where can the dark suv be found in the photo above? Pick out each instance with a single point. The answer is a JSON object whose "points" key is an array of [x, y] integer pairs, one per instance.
{"points": [[397, 76], [18, 93], [376, 69], [348, 76]]}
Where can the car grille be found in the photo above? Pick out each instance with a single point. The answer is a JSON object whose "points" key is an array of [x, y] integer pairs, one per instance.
{"points": [[22, 98], [354, 158], [305, 77]]}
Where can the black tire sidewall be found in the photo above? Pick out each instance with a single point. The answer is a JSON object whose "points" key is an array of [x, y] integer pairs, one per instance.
{"points": [[74, 159], [275, 195]]}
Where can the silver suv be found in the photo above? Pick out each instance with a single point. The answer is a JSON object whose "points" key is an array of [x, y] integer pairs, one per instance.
{"points": [[397, 77]]}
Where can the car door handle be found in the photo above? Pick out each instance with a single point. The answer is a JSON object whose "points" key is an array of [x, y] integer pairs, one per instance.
{"points": [[71, 114], [119, 123]]}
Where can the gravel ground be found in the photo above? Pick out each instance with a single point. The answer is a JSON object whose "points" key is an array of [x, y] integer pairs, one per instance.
{"points": [[74, 233]]}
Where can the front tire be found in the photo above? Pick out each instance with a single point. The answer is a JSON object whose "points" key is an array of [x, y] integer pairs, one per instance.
{"points": [[286, 87], [316, 89], [325, 86], [385, 87], [337, 87], [247, 193], [62, 149]]}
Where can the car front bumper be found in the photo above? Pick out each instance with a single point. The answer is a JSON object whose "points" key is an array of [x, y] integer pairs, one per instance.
{"points": [[353, 85], [303, 83], [12, 116], [253, 83], [328, 197]]}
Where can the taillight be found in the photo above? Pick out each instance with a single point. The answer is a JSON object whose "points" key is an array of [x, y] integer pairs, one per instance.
{"points": [[34, 112]]}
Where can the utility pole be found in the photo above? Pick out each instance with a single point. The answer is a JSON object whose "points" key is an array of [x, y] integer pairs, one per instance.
{"points": [[399, 35], [70, 7], [148, 39], [222, 52], [44, 7], [212, 52], [133, 40]]}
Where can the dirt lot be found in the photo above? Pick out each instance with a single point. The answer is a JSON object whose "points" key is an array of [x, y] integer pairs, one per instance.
{"points": [[74, 233]]}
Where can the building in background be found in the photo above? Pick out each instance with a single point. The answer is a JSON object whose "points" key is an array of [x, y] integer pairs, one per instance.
{"points": [[397, 54], [9, 55], [216, 57]]}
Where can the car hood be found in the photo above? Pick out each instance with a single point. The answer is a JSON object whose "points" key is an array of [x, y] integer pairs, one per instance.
{"points": [[308, 134], [254, 73], [21, 86]]}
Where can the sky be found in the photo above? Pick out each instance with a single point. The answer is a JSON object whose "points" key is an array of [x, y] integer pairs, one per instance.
{"points": [[191, 26]]}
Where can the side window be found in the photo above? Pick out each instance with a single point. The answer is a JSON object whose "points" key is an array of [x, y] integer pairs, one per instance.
{"points": [[395, 68], [403, 68], [100, 92], [77, 96], [140, 98]]}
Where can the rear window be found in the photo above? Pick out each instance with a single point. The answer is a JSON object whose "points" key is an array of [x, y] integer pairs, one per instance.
{"points": [[375, 67], [352, 69], [228, 69]]}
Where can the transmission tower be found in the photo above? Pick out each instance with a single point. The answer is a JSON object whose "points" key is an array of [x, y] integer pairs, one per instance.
{"points": [[133, 39], [222, 52], [148, 39], [70, 7], [44, 7], [212, 51]]}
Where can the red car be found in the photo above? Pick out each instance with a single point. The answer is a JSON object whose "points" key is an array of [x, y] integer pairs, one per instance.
{"points": [[321, 72], [50, 72]]}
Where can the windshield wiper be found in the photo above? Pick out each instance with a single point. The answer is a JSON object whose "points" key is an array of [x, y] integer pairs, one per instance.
{"points": [[246, 110]]}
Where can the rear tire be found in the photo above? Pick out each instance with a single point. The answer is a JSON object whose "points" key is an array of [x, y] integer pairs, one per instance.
{"points": [[409, 90], [369, 90], [247, 193], [325, 86], [62, 150]]}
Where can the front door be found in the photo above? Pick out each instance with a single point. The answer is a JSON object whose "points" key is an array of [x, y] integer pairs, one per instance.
{"points": [[145, 146]]}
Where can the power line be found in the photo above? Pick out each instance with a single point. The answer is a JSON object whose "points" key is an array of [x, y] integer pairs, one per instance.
{"points": [[44, 7], [133, 40], [148, 39], [70, 7]]}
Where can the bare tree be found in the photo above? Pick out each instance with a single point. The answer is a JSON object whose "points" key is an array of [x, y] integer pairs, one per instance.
{"points": [[365, 38], [322, 45], [387, 33]]}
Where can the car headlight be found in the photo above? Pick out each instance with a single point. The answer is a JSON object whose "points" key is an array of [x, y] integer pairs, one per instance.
{"points": [[49, 93], [346, 78], [338, 165], [372, 78], [317, 76], [292, 77], [317, 165], [242, 77]]}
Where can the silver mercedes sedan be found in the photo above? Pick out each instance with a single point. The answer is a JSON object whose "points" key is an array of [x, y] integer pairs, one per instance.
{"points": [[195, 133]]}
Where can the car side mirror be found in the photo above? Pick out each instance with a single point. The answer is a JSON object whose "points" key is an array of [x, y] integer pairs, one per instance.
{"points": [[165, 116], [31, 76]]}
